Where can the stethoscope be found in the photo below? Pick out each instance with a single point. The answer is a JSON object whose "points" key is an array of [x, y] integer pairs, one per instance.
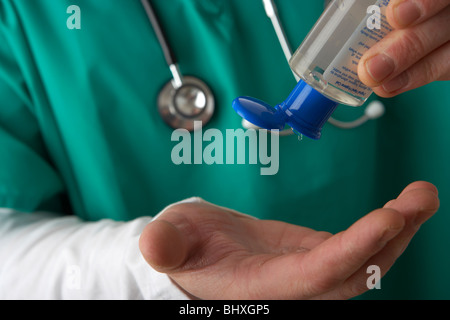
{"points": [[184, 99], [187, 99]]}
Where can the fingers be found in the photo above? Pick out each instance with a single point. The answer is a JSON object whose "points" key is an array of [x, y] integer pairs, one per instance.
{"points": [[166, 242], [188, 235], [411, 57], [335, 260], [377, 239], [162, 246], [404, 13], [417, 203], [419, 185], [435, 67]]}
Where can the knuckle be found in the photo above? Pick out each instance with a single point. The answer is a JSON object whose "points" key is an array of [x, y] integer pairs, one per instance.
{"points": [[431, 71], [413, 43], [313, 285], [430, 7], [317, 287], [406, 48], [354, 289]]}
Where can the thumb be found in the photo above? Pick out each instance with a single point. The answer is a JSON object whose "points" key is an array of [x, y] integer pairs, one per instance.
{"points": [[162, 246], [164, 241]]}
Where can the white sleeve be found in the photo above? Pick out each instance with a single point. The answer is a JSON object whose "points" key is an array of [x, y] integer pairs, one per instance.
{"points": [[46, 256]]}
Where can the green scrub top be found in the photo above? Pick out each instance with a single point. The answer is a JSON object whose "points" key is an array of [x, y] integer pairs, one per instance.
{"points": [[80, 131]]}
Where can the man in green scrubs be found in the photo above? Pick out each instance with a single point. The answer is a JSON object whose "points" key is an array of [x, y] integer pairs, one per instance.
{"points": [[81, 135]]}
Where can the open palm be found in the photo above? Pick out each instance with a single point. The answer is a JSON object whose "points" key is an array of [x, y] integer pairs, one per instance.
{"points": [[215, 253]]}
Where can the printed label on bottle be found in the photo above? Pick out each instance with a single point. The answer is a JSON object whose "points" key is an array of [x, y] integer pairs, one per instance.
{"points": [[343, 70]]}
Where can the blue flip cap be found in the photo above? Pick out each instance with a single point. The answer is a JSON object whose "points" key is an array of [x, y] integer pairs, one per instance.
{"points": [[305, 110]]}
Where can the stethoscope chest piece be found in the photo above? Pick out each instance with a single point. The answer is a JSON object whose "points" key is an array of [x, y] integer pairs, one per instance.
{"points": [[180, 106], [183, 100]]}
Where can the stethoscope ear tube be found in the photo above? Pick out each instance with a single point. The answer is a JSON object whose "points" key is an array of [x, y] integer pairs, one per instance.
{"points": [[167, 50], [169, 55]]}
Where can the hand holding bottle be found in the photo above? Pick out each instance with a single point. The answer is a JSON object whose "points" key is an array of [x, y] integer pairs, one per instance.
{"points": [[415, 53]]}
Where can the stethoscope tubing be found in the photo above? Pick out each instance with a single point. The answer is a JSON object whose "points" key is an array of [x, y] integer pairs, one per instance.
{"points": [[169, 55]]}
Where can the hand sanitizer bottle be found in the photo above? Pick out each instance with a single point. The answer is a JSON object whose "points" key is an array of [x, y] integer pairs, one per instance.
{"points": [[327, 62]]}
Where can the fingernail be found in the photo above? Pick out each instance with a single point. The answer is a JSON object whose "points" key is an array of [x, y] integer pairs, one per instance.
{"points": [[396, 84], [380, 67], [407, 12]]}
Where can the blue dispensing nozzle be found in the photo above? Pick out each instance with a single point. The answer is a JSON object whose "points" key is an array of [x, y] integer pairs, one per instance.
{"points": [[306, 111]]}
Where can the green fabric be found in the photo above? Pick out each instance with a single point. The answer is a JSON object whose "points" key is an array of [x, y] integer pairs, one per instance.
{"points": [[80, 131]]}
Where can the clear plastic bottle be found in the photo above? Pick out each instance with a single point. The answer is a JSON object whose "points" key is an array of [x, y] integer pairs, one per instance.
{"points": [[328, 58], [327, 62]]}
